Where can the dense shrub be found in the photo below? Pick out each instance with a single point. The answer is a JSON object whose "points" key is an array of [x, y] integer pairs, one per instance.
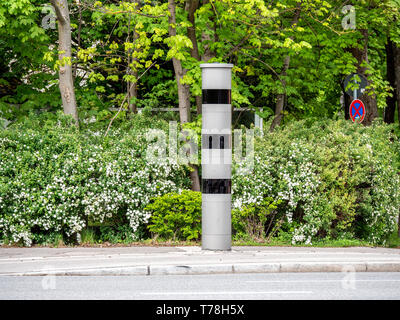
{"points": [[176, 216], [335, 179], [254, 221], [311, 180], [54, 178], [116, 234]]}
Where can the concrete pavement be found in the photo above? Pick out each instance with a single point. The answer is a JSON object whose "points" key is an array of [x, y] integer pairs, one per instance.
{"points": [[82, 261]]}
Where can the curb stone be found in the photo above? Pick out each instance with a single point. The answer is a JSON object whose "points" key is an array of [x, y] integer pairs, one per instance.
{"points": [[383, 266], [256, 268], [223, 269], [119, 271], [324, 267], [192, 269]]}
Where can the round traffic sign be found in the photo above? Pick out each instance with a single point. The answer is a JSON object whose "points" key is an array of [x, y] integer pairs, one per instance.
{"points": [[355, 81], [357, 110]]}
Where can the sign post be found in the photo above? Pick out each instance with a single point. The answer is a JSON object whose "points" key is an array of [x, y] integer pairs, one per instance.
{"points": [[355, 90], [216, 156], [360, 83], [357, 109]]}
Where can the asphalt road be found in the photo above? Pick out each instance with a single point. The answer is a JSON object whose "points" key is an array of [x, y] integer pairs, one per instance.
{"points": [[293, 286]]}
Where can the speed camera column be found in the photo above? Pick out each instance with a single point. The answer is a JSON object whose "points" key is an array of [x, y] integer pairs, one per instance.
{"points": [[216, 156]]}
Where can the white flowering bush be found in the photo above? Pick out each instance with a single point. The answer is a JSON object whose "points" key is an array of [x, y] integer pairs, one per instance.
{"points": [[334, 179], [311, 180], [54, 178]]}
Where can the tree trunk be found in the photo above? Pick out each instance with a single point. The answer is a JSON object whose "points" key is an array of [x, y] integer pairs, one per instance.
{"points": [[398, 227], [391, 77], [194, 176], [208, 53], [132, 91], [75, 69], [65, 73], [183, 89], [369, 100], [191, 7], [131, 88], [280, 100], [396, 59], [346, 103]]}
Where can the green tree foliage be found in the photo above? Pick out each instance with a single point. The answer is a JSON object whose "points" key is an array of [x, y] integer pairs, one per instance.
{"points": [[26, 79], [122, 49]]}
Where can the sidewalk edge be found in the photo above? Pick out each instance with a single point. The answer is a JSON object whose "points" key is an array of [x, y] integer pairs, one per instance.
{"points": [[221, 269]]}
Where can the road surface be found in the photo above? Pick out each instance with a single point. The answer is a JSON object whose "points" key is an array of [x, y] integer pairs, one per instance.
{"points": [[309, 286]]}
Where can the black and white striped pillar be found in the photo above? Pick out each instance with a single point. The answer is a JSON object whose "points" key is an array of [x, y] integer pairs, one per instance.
{"points": [[216, 155]]}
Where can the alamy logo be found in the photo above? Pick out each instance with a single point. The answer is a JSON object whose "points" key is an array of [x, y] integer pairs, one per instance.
{"points": [[349, 20], [349, 279], [49, 21], [183, 147], [49, 280]]}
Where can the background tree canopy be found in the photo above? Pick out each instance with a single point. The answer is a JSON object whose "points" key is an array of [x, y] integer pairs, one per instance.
{"points": [[290, 56]]}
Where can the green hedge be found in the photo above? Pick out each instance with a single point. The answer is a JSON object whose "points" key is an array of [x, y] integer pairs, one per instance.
{"points": [[312, 180], [334, 179], [55, 179], [176, 216]]}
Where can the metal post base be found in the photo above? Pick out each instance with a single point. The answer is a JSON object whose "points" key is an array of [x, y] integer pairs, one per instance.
{"points": [[216, 242]]}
